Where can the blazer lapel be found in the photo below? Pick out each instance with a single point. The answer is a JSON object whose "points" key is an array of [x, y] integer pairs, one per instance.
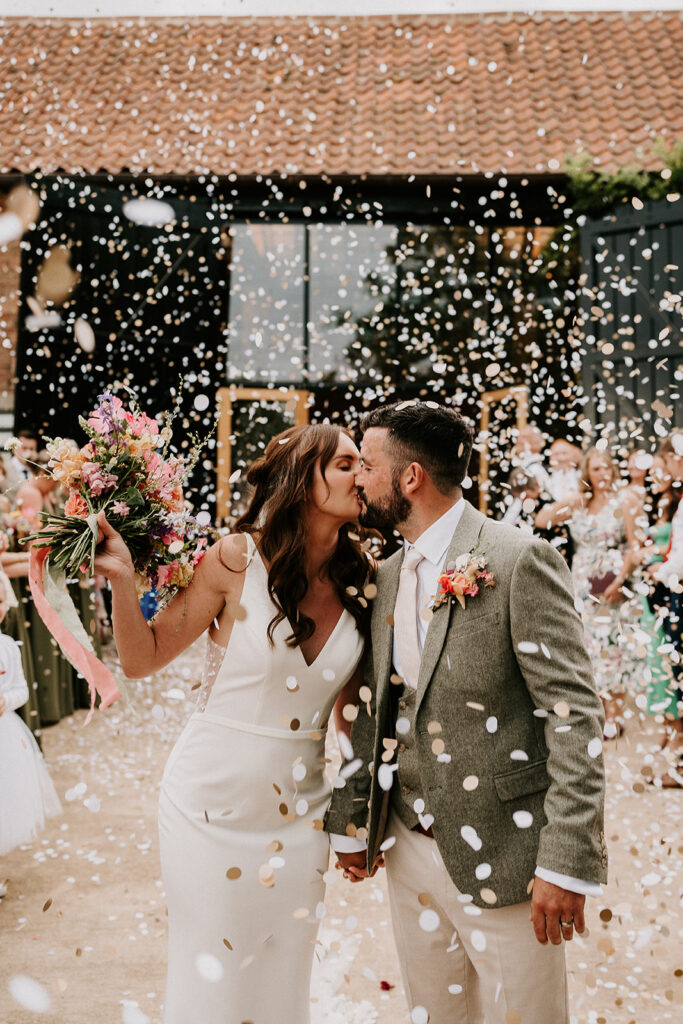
{"points": [[382, 624], [464, 540]]}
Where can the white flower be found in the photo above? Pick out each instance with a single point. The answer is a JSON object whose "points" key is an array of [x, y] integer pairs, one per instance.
{"points": [[461, 562], [12, 444]]}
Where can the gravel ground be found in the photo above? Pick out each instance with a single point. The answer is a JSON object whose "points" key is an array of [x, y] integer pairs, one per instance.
{"points": [[83, 921]]}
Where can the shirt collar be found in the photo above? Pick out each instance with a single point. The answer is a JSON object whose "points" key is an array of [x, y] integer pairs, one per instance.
{"points": [[433, 542]]}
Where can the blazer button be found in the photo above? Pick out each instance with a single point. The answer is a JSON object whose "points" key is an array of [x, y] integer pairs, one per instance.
{"points": [[402, 704], [406, 789], [401, 747]]}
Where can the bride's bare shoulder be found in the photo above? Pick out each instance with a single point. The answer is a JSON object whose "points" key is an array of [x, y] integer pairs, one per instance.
{"points": [[228, 558]]}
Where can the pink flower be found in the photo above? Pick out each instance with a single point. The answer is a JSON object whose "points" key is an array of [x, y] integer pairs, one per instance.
{"points": [[165, 572], [199, 552], [120, 508], [97, 479], [141, 424]]}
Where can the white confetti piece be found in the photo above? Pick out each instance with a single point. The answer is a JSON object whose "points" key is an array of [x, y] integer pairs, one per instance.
{"points": [[29, 993], [429, 920], [478, 940], [482, 871], [208, 967], [523, 819], [527, 647], [492, 724], [385, 775], [471, 837], [419, 1015]]}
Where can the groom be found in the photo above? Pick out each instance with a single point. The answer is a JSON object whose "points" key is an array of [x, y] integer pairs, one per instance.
{"points": [[482, 778]]}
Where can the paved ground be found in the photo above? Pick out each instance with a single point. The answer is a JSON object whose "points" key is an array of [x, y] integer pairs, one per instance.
{"points": [[84, 918]]}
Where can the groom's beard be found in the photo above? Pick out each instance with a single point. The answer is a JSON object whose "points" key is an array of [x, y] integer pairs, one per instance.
{"points": [[387, 513]]}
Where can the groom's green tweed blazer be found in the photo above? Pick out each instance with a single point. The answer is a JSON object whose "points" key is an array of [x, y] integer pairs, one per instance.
{"points": [[497, 677]]}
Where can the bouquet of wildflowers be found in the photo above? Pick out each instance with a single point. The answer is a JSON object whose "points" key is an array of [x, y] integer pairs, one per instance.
{"points": [[127, 471]]}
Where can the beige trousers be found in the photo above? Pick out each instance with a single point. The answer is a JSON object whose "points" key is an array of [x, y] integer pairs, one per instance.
{"points": [[471, 966]]}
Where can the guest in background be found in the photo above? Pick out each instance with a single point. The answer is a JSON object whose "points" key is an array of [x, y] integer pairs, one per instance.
{"points": [[668, 592], [563, 479], [528, 454], [605, 553], [662, 699], [525, 492], [18, 465], [27, 793]]}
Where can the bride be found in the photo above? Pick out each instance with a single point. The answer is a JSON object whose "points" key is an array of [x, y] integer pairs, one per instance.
{"points": [[244, 792]]}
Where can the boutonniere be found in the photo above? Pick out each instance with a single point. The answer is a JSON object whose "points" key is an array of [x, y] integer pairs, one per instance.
{"points": [[462, 579]]}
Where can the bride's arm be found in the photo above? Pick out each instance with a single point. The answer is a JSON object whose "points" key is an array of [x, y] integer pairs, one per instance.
{"points": [[144, 648]]}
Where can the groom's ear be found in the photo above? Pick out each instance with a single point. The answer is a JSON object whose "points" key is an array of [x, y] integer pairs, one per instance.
{"points": [[412, 477]]}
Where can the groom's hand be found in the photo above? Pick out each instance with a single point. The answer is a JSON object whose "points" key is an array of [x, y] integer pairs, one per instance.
{"points": [[354, 865], [552, 910]]}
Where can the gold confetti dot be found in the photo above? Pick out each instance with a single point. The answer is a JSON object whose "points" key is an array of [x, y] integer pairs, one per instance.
{"points": [[606, 914], [300, 913], [470, 783], [274, 847], [227, 944], [513, 1017], [283, 809], [424, 899], [350, 829], [390, 620], [370, 591], [395, 679], [562, 709], [365, 694], [266, 876], [233, 873], [350, 712], [488, 896], [294, 724], [47, 904], [438, 746], [434, 728], [427, 614]]}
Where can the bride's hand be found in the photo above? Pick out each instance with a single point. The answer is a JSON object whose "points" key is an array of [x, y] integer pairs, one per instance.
{"points": [[113, 557]]}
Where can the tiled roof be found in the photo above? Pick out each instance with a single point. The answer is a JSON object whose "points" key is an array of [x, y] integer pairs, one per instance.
{"points": [[305, 96]]}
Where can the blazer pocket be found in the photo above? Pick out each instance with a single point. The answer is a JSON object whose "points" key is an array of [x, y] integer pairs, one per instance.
{"points": [[472, 624], [532, 778]]}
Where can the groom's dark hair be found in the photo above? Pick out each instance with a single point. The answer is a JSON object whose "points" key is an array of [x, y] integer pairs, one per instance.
{"points": [[437, 437]]}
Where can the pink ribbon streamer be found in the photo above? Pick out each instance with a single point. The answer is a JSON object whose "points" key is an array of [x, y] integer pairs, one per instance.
{"points": [[97, 675]]}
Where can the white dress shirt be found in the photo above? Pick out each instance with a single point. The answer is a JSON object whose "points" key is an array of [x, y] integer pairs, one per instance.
{"points": [[673, 566], [433, 544]]}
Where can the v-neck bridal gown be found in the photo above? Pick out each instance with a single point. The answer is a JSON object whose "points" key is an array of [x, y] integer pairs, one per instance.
{"points": [[240, 821]]}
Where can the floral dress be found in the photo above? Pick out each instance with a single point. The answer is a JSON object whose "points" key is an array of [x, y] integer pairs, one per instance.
{"points": [[599, 547]]}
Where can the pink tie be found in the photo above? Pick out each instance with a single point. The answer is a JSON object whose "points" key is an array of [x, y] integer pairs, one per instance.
{"points": [[405, 618]]}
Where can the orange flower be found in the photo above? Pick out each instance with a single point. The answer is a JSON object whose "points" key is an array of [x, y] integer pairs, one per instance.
{"points": [[76, 506], [459, 584]]}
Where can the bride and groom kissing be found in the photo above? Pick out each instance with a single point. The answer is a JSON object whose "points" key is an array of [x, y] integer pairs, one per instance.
{"points": [[474, 771]]}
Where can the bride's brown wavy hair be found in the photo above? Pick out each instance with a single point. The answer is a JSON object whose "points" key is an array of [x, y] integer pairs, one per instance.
{"points": [[282, 480]]}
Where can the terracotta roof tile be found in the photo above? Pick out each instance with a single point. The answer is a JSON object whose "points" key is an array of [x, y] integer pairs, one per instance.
{"points": [[380, 96]]}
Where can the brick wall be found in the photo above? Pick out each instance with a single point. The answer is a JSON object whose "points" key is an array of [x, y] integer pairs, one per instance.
{"points": [[10, 263]]}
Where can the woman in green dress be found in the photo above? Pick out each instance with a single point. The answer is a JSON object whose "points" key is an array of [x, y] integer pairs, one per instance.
{"points": [[661, 687]]}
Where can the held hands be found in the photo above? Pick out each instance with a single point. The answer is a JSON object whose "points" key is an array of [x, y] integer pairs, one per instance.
{"points": [[113, 557], [556, 912], [355, 865]]}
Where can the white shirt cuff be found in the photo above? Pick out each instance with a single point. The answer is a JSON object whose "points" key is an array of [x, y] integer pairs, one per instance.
{"points": [[346, 844], [572, 884]]}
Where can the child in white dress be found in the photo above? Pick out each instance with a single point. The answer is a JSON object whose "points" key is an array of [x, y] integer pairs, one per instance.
{"points": [[27, 793]]}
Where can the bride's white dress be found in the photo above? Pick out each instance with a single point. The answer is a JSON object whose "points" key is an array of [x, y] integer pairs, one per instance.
{"points": [[240, 821]]}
